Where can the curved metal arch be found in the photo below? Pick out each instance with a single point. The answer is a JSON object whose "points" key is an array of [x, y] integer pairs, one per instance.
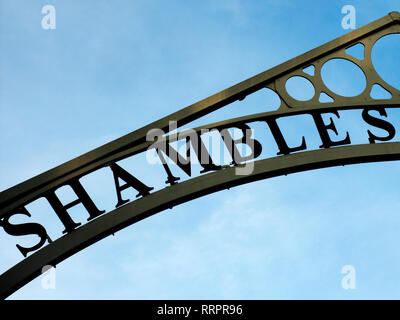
{"points": [[40, 189], [123, 146], [105, 225], [135, 143]]}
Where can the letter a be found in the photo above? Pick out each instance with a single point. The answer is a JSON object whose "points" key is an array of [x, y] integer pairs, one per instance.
{"points": [[49, 20], [349, 20], [349, 280]]}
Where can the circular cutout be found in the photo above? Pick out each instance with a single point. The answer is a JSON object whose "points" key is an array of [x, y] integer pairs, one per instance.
{"points": [[300, 88], [343, 77], [385, 57]]}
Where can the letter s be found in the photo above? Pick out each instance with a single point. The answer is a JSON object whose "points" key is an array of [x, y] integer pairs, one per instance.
{"points": [[379, 123], [24, 229]]}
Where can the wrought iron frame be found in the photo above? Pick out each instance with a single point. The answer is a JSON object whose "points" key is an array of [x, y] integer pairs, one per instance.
{"points": [[135, 142]]}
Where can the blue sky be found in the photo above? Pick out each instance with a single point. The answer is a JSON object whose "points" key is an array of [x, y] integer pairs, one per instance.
{"points": [[111, 67]]}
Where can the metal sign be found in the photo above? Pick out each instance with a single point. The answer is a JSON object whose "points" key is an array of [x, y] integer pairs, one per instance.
{"points": [[243, 167]]}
